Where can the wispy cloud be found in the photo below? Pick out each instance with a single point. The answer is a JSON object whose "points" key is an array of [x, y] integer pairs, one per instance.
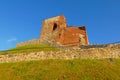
{"points": [[12, 40]]}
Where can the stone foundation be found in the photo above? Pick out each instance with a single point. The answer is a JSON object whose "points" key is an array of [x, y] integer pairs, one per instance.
{"points": [[111, 51]]}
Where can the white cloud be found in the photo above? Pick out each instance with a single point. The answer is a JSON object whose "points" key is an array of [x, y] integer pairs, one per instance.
{"points": [[12, 40]]}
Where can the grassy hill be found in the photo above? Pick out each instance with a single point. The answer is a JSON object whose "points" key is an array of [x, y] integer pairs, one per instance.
{"points": [[60, 69], [29, 48], [77, 69]]}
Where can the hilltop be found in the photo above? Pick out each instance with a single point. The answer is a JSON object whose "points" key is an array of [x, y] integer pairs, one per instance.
{"points": [[43, 62], [41, 51]]}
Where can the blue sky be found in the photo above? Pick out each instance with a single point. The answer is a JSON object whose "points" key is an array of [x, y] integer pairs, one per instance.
{"points": [[21, 20]]}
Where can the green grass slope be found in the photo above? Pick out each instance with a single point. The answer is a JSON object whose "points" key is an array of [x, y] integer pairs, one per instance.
{"points": [[29, 48], [79, 69]]}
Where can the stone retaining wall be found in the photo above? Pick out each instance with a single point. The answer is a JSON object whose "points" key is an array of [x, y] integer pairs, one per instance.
{"points": [[34, 41], [73, 53]]}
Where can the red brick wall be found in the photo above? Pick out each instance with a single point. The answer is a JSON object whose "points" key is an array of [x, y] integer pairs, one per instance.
{"points": [[47, 32], [68, 36], [55, 30]]}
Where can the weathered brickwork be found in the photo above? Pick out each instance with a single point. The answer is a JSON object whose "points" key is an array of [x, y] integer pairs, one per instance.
{"points": [[55, 30]]}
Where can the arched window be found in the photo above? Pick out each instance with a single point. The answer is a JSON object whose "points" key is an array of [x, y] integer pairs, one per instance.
{"points": [[55, 26]]}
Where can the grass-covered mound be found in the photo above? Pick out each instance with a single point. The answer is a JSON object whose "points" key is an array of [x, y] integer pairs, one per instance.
{"points": [[29, 48], [89, 69]]}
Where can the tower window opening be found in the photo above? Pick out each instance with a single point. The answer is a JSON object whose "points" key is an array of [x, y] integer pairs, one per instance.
{"points": [[55, 26]]}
